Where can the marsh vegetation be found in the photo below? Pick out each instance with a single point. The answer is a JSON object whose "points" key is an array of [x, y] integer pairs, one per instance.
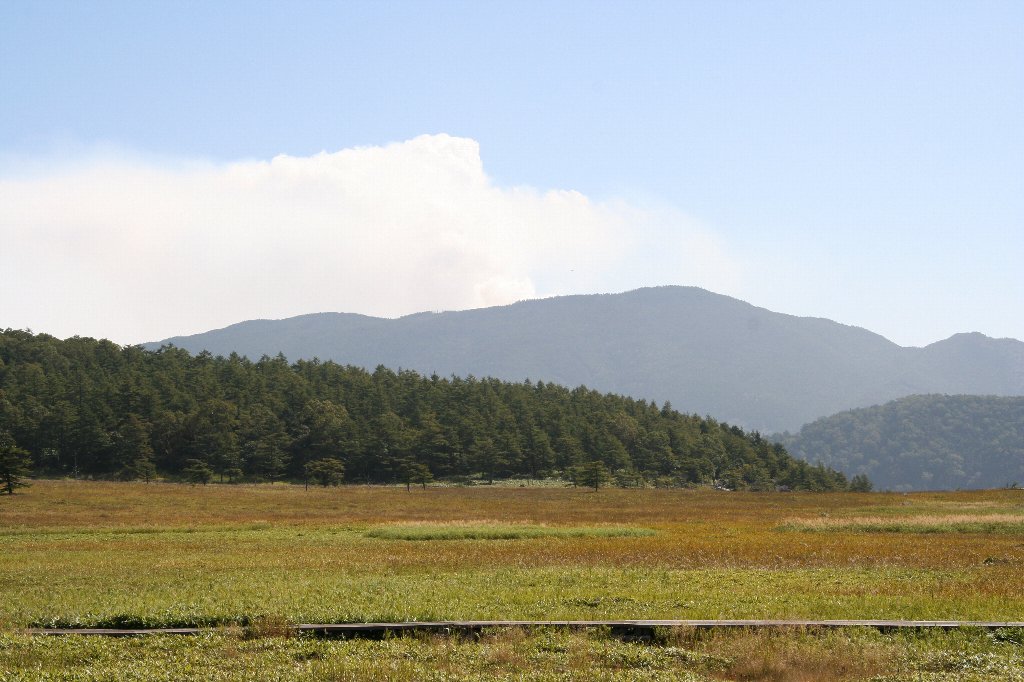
{"points": [[235, 557]]}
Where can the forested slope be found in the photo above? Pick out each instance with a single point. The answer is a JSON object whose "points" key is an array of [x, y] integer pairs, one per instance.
{"points": [[93, 408], [923, 442]]}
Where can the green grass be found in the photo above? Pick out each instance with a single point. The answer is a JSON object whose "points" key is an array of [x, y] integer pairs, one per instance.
{"points": [[160, 599], [548, 654]]}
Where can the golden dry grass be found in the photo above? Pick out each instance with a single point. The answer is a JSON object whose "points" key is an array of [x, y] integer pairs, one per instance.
{"points": [[800, 656], [696, 527], [923, 523]]}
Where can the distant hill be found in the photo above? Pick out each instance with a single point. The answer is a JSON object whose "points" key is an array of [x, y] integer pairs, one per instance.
{"points": [[704, 352], [922, 442]]}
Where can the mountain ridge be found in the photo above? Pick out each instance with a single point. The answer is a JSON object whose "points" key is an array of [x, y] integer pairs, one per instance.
{"points": [[704, 352]]}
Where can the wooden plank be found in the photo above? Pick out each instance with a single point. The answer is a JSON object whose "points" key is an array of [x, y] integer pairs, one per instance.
{"points": [[620, 626]]}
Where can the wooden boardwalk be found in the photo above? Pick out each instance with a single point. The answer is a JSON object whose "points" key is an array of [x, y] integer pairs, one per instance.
{"points": [[639, 629]]}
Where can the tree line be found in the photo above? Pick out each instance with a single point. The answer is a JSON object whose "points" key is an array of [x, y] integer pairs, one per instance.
{"points": [[91, 408]]}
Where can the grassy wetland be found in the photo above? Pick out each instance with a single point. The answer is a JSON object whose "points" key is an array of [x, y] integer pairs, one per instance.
{"points": [[247, 560]]}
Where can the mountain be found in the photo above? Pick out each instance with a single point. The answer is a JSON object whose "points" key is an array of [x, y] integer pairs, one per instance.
{"points": [[923, 442], [704, 352]]}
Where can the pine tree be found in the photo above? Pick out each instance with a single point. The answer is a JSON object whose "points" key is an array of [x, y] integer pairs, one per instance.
{"points": [[198, 471], [860, 484], [595, 474], [325, 471], [412, 471], [14, 464], [132, 450]]}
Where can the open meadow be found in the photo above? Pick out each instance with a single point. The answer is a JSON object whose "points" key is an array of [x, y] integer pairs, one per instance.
{"points": [[247, 560]]}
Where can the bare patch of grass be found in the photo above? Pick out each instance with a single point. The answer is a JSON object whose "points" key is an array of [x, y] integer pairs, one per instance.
{"points": [[786, 654], [262, 627], [772, 656], [506, 649]]}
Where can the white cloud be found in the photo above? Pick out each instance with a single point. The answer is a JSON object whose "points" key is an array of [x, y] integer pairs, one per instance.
{"points": [[138, 251]]}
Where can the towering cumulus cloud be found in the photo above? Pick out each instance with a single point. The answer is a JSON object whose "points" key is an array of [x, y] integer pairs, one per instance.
{"points": [[137, 250]]}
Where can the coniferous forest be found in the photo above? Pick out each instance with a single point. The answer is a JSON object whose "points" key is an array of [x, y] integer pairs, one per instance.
{"points": [[91, 408]]}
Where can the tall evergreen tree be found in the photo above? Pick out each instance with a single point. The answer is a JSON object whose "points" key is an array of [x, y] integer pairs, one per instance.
{"points": [[15, 464]]}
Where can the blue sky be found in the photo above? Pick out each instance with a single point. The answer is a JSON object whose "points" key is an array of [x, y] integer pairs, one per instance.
{"points": [[859, 161]]}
